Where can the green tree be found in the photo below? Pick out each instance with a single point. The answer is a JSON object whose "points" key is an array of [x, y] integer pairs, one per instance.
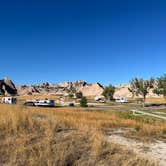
{"points": [[141, 87], [30, 93], [83, 102], [108, 92], [132, 89], [160, 88], [71, 91], [79, 95]]}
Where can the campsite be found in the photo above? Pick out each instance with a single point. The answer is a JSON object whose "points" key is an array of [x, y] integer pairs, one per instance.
{"points": [[91, 130], [83, 83], [100, 129]]}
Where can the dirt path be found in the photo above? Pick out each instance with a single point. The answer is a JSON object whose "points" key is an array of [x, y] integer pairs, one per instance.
{"points": [[148, 114], [155, 151]]}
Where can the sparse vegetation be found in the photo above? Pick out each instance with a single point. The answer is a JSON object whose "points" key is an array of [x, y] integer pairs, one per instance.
{"points": [[43, 136], [164, 131], [71, 91], [161, 86], [83, 102], [24, 86], [30, 93], [141, 87], [75, 135], [108, 92], [79, 95]]}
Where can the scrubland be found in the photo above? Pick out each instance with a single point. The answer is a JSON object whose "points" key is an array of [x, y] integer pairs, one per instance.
{"points": [[70, 136]]}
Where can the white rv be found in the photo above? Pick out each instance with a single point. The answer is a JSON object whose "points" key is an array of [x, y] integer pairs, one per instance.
{"points": [[9, 100], [45, 102], [40, 103], [121, 100]]}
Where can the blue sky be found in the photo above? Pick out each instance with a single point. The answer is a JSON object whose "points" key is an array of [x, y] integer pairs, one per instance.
{"points": [[107, 41]]}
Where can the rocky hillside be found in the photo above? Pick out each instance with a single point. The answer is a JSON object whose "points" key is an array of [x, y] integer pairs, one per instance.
{"points": [[7, 87], [61, 88], [122, 91], [95, 89]]}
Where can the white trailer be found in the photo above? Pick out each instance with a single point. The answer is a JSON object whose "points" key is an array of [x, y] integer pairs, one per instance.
{"points": [[44, 103], [40, 103], [9, 100], [121, 100]]}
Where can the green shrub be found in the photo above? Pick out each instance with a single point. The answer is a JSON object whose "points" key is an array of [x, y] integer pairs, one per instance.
{"points": [[137, 128], [29, 93], [83, 102], [79, 95], [164, 131]]}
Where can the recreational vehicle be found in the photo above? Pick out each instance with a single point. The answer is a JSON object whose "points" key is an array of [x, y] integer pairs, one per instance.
{"points": [[121, 100], [40, 103], [99, 99], [9, 100]]}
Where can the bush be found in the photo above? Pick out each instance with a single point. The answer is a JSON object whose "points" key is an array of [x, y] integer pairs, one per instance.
{"points": [[79, 95], [108, 92], [71, 95], [164, 131], [83, 102], [71, 104], [29, 93]]}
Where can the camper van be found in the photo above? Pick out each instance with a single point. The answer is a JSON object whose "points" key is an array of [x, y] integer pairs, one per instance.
{"points": [[121, 100], [40, 103], [9, 100], [44, 103]]}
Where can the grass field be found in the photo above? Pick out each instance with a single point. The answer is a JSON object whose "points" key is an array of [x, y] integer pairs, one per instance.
{"points": [[71, 136]]}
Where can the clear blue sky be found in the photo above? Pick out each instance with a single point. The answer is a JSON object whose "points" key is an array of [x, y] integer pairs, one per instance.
{"points": [[109, 41]]}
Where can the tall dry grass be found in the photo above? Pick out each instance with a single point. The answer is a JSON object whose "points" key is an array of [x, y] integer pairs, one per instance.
{"points": [[80, 119], [42, 136]]}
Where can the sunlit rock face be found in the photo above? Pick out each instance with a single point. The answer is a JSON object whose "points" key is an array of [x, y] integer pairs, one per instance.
{"points": [[7, 87], [95, 89], [61, 88]]}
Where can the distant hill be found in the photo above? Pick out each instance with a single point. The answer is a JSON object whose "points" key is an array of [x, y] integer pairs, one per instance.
{"points": [[61, 88], [7, 87], [122, 91]]}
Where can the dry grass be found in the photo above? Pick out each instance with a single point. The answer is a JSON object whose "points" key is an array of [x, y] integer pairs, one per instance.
{"points": [[65, 136], [159, 100], [79, 119]]}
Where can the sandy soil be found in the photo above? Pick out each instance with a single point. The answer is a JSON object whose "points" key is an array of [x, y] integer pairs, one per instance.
{"points": [[155, 150]]}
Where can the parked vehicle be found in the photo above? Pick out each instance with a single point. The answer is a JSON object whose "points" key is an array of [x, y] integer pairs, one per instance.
{"points": [[121, 100], [99, 99], [44, 103], [70, 104], [40, 103], [9, 100], [29, 103]]}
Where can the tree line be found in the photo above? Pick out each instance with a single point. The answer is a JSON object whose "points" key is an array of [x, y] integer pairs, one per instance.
{"points": [[141, 87], [138, 87]]}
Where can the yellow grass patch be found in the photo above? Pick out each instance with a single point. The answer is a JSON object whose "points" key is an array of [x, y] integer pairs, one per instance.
{"points": [[62, 136]]}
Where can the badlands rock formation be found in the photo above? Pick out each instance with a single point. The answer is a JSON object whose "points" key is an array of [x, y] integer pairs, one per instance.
{"points": [[92, 90], [61, 88], [122, 91], [7, 87]]}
